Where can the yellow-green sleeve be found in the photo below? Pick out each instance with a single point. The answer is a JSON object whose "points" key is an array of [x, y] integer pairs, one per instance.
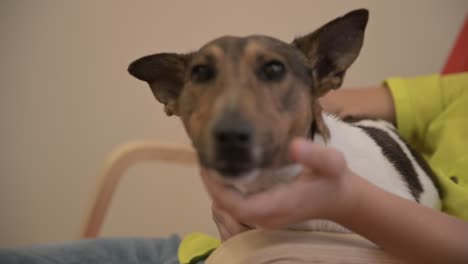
{"points": [[196, 246], [432, 112], [418, 100]]}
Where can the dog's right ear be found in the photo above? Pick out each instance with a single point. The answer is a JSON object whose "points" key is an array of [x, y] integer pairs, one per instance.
{"points": [[164, 72]]}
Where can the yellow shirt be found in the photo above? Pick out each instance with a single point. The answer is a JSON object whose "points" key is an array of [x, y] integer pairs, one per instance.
{"points": [[432, 114]]}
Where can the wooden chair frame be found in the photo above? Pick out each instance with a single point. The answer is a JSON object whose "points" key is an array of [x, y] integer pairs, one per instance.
{"points": [[118, 162]]}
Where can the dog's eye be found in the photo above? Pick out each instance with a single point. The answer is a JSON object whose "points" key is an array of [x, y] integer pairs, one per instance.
{"points": [[272, 71], [202, 73]]}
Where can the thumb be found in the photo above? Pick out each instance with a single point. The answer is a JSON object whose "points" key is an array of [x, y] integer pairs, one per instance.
{"points": [[321, 159]]}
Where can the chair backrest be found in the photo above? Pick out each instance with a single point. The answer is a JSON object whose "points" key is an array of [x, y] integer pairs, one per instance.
{"points": [[118, 162]]}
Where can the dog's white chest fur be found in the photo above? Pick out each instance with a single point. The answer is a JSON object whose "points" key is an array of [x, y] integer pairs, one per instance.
{"points": [[364, 156]]}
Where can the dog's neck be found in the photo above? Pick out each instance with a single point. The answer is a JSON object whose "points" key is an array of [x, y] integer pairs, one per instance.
{"points": [[319, 130], [312, 130]]}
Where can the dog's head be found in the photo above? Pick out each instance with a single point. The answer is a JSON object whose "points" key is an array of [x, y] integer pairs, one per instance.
{"points": [[242, 100]]}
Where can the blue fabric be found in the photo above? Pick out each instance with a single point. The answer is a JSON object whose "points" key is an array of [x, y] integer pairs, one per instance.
{"points": [[102, 251]]}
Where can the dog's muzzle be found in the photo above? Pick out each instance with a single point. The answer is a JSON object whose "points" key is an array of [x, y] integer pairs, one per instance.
{"points": [[233, 146]]}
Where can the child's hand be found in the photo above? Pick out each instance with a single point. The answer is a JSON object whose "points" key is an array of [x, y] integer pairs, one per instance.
{"points": [[325, 190]]}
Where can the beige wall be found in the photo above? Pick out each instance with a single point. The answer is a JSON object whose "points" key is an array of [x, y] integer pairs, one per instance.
{"points": [[66, 99]]}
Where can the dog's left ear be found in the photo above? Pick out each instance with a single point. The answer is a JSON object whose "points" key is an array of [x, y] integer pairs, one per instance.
{"points": [[164, 72], [332, 48]]}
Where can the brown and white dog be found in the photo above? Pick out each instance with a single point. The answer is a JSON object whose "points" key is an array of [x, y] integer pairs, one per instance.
{"points": [[243, 99]]}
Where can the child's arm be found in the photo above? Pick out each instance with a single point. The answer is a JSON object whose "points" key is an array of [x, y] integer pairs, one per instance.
{"points": [[329, 190], [373, 102], [407, 229]]}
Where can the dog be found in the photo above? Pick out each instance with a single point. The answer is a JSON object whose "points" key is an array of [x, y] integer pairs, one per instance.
{"points": [[243, 99]]}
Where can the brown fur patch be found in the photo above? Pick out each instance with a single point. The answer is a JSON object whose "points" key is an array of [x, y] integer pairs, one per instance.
{"points": [[277, 110]]}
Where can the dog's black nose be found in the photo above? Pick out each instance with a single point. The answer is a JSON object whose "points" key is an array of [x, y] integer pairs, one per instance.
{"points": [[232, 132], [233, 137]]}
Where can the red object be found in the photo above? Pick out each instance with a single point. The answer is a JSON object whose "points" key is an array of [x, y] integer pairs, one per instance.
{"points": [[458, 58]]}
